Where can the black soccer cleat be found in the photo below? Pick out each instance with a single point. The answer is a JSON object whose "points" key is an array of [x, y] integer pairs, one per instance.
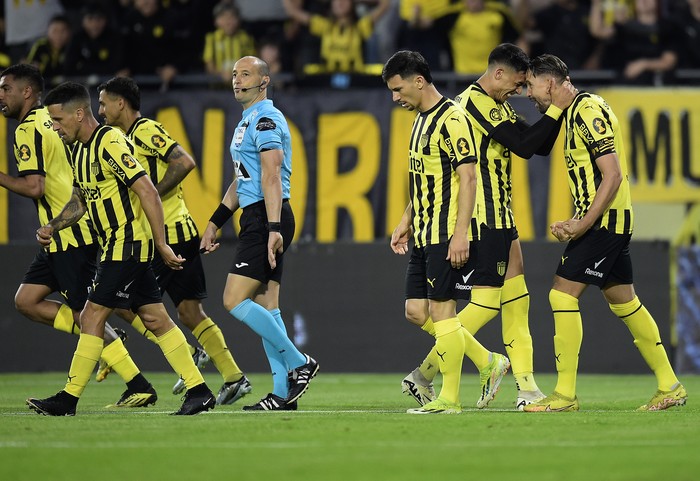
{"points": [[300, 377], [60, 404], [196, 400], [272, 402], [136, 399]]}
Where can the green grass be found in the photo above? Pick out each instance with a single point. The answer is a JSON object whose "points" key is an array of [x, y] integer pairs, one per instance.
{"points": [[350, 427]]}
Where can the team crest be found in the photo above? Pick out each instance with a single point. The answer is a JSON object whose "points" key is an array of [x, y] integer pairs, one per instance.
{"points": [[128, 161], [495, 114], [95, 168], [158, 141], [25, 153], [501, 268], [463, 146], [599, 125], [424, 140]]}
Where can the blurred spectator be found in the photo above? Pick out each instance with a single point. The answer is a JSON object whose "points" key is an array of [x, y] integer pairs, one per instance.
{"points": [[475, 30], [151, 44], [96, 49], [420, 31], [5, 59], [228, 43], [48, 54], [269, 52], [27, 21], [342, 35], [563, 30], [263, 18], [687, 19], [642, 46]]}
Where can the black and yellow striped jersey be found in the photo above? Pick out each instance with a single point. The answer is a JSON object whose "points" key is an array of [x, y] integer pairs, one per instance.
{"points": [[224, 50], [39, 150], [104, 168], [441, 140], [342, 47], [592, 130], [494, 188], [153, 147]]}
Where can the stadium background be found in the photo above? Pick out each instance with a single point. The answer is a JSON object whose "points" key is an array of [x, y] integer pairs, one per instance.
{"points": [[343, 289]]}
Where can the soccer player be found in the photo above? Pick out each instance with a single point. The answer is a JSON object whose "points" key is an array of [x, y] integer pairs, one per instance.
{"points": [[442, 187], [68, 264], [598, 239], [167, 164], [262, 156], [126, 212], [498, 282]]}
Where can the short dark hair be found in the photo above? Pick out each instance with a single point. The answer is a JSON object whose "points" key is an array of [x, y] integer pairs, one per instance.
{"points": [[68, 92], [125, 88], [406, 63], [511, 56], [27, 72], [60, 18], [548, 64], [226, 6]]}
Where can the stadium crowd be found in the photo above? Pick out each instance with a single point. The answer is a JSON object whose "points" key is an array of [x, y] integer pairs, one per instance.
{"points": [[638, 42]]}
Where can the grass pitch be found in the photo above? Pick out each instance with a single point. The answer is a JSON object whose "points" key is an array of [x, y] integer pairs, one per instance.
{"points": [[350, 427]]}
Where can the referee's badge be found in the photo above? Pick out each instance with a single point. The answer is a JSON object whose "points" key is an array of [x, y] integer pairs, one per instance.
{"points": [[501, 268]]}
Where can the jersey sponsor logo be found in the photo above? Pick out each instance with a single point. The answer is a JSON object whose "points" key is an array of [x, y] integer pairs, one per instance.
{"points": [[591, 272], [416, 165], [495, 114], [599, 125], [158, 141], [463, 287], [128, 161], [24, 152], [463, 146], [585, 133], [265, 123]]}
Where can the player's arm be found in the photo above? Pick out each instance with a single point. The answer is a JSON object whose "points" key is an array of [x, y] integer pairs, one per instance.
{"points": [[403, 232], [152, 207], [31, 185], [180, 163], [295, 11], [458, 250], [609, 166], [271, 184], [377, 12], [69, 215], [229, 204]]}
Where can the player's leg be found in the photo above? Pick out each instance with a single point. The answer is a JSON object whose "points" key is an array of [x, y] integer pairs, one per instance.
{"points": [[419, 383]]}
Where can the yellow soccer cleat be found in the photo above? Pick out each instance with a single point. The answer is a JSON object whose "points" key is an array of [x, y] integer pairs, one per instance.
{"points": [[437, 406], [491, 377], [555, 403], [666, 399]]}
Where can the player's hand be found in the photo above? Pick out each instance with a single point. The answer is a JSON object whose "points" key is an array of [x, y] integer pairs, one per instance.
{"points": [[208, 242], [170, 259], [44, 235], [562, 94], [399, 239], [557, 230], [275, 245], [635, 68], [458, 251], [574, 228]]}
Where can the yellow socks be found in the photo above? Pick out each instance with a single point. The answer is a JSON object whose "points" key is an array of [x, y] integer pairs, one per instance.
{"points": [[515, 304], [484, 306], [84, 360], [64, 321], [212, 340], [568, 334], [174, 347], [430, 365], [647, 339], [138, 324], [117, 357], [449, 344]]}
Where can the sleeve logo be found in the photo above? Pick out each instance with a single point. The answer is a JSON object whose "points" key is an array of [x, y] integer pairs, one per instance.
{"points": [[463, 146], [128, 161], [24, 152], [158, 141], [265, 123], [495, 114], [599, 125]]}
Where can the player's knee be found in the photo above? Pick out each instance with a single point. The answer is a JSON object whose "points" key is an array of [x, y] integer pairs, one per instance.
{"points": [[415, 315], [190, 313], [24, 304], [561, 301]]}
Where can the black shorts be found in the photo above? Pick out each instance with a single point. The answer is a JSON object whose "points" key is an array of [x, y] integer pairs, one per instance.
{"points": [[188, 283], [598, 258], [125, 284], [492, 252], [69, 272], [250, 259], [430, 274]]}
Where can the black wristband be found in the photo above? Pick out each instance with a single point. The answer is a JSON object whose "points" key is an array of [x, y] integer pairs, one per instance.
{"points": [[220, 216], [274, 226]]}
